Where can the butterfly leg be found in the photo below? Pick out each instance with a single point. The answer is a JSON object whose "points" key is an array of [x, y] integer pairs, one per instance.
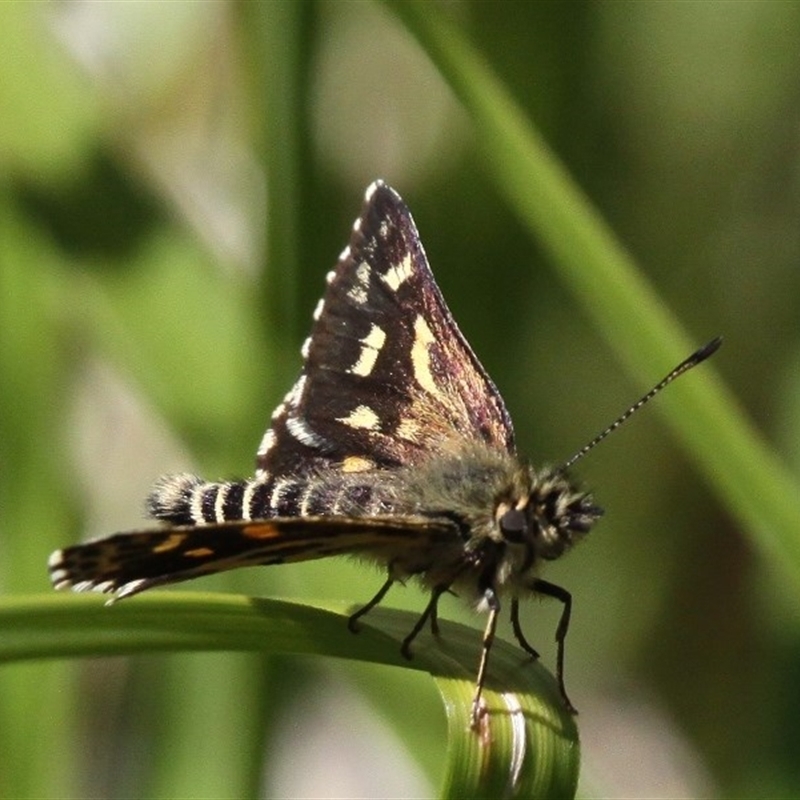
{"points": [[523, 642], [435, 611], [435, 617], [562, 595], [493, 604], [352, 623], [428, 614]]}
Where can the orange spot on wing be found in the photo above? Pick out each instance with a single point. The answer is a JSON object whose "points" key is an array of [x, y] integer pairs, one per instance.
{"points": [[170, 543], [261, 530], [357, 464], [199, 552]]}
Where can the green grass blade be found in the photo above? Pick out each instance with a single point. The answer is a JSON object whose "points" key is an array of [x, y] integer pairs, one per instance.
{"points": [[527, 744]]}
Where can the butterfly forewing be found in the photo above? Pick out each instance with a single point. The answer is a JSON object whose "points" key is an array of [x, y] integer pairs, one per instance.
{"points": [[388, 377]]}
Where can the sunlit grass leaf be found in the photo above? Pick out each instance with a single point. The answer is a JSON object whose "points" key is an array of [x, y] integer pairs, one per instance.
{"points": [[527, 742]]}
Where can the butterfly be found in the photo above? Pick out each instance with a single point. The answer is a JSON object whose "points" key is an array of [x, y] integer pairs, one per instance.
{"points": [[393, 444]]}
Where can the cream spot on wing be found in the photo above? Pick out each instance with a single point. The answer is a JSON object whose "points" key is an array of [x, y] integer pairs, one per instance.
{"points": [[267, 443], [362, 273], [408, 430], [318, 310], [371, 189], [127, 589], [306, 348], [371, 346], [358, 293], [362, 417], [421, 357], [295, 395], [300, 430], [357, 464], [398, 274]]}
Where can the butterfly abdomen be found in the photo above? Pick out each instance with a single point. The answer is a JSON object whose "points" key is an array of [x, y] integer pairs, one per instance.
{"points": [[188, 500]]}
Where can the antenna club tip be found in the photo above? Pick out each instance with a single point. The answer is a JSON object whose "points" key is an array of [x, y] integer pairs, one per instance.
{"points": [[707, 350], [698, 356]]}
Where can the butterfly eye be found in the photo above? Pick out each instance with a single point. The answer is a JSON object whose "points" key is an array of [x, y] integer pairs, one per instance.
{"points": [[513, 525]]}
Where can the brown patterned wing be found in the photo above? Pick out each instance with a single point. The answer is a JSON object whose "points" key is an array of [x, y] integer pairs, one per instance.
{"points": [[128, 563], [388, 377]]}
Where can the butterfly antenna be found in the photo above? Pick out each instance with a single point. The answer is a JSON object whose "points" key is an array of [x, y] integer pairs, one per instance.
{"points": [[694, 359]]}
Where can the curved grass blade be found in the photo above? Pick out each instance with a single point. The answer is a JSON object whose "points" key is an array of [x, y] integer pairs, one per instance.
{"points": [[527, 744]]}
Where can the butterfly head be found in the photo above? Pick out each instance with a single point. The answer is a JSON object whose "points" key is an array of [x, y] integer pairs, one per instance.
{"points": [[549, 518]]}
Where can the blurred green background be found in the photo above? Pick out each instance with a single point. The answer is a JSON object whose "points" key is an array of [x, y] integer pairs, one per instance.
{"points": [[176, 179]]}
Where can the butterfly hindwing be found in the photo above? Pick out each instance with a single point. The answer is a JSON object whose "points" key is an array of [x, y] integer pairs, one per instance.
{"points": [[128, 563], [387, 377]]}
